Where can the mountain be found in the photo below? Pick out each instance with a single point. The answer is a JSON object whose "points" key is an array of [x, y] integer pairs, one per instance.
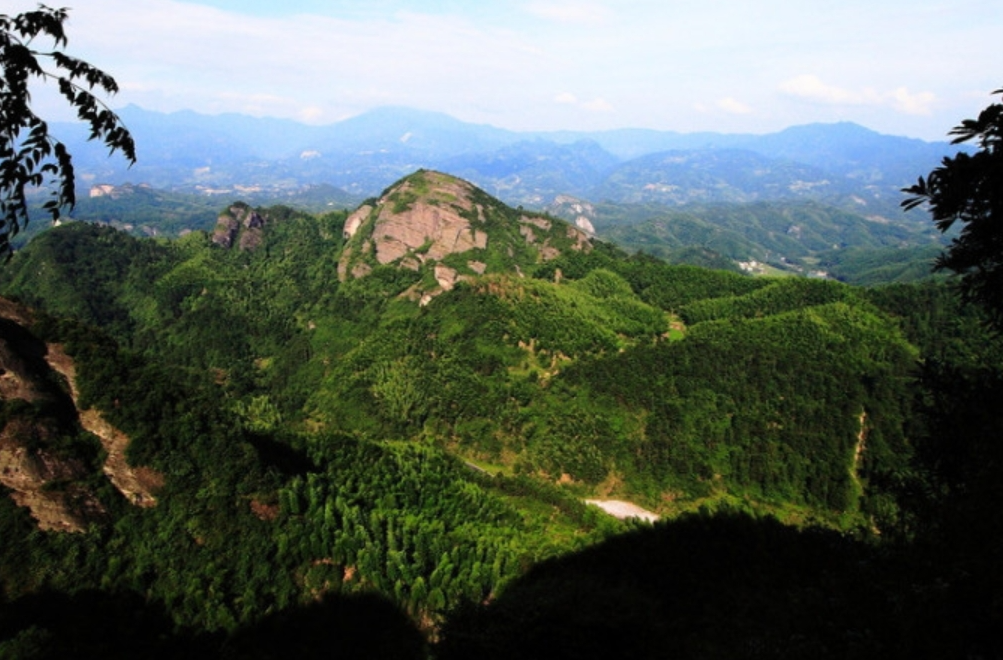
{"points": [[511, 337], [531, 171], [853, 151], [675, 178], [340, 467], [630, 176], [364, 154], [449, 230]]}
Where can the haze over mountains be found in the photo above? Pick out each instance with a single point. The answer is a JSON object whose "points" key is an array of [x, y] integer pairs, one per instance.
{"points": [[843, 164]]}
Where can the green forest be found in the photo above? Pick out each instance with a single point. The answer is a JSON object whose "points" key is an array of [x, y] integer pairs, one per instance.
{"points": [[344, 471]]}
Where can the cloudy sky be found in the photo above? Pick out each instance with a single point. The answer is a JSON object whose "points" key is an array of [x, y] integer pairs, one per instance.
{"points": [[912, 67]]}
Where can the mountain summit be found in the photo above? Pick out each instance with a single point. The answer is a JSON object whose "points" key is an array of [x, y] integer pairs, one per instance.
{"points": [[449, 229]]}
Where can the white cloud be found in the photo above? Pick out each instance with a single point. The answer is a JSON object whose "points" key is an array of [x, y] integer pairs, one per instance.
{"points": [[311, 114], [811, 88], [670, 65], [167, 55], [919, 103], [734, 106]]}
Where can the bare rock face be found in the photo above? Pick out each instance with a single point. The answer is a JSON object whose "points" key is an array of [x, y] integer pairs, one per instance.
{"points": [[239, 225], [356, 219], [30, 472], [427, 223], [585, 225], [47, 479], [430, 216], [136, 484], [446, 277], [226, 230], [581, 212], [418, 221], [40, 478]]}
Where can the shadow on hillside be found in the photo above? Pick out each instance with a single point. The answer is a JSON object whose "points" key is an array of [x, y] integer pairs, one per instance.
{"points": [[94, 624], [360, 626], [728, 586], [90, 624]]}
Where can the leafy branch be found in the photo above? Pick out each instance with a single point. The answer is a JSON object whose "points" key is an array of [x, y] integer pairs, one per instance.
{"points": [[29, 156]]}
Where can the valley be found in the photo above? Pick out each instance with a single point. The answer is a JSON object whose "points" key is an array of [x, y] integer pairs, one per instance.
{"points": [[308, 393], [821, 198], [378, 382]]}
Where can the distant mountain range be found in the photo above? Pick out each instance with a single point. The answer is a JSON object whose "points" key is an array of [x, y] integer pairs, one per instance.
{"points": [[842, 164]]}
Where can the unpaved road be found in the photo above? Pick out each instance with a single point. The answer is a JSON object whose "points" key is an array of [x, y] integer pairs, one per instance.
{"points": [[623, 510]]}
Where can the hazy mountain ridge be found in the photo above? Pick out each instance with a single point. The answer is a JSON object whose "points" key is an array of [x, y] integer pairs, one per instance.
{"points": [[364, 154], [631, 176]]}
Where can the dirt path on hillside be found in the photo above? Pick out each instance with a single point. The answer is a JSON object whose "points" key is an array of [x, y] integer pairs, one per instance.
{"points": [[137, 484]]}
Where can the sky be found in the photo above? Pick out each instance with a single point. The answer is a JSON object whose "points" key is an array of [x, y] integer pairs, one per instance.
{"points": [[901, 67]]}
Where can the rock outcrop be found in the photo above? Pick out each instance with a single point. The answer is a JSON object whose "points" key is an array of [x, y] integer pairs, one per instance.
{"points": [[136, 484], [44, 482], [39, 462], [579, 211], [239, 225], [429, 217]]}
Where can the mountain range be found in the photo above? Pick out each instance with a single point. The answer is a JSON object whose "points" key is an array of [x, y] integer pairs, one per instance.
{"points": [[844, 163]]}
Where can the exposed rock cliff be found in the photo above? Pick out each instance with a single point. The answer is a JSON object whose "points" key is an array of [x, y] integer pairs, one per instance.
{"points": [[239, 225], [44, 481], [436, 221], [42, 460], [136, 484], [571, 208]]}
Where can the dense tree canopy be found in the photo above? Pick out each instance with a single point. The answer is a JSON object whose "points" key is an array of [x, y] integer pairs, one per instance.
{"points": [[320, 443], [29, 156]]}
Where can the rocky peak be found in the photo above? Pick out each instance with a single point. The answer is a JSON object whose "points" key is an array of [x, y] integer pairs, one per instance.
{"points": [[438, 222], [240, 225]]}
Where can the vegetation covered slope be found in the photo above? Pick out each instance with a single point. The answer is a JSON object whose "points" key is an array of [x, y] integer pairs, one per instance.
{"points": [[313, 426], [623, 376], [797, 237]]}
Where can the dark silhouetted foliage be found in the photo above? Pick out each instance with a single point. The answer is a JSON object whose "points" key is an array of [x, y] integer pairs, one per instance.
{"points": [[29, 156], [968, 188]]}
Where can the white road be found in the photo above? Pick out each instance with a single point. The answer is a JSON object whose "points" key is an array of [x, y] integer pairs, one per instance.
{"points": [[623, 510]]}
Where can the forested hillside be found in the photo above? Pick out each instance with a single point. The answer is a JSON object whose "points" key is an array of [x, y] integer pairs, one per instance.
{"points": [[360, 412], [804, 238]]}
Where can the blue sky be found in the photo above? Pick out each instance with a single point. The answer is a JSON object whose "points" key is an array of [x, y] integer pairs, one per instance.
{"points": [[906, 68]]}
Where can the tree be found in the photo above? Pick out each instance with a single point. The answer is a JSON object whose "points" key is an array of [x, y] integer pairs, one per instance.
{"points": [[29, 156], [969, 188]]}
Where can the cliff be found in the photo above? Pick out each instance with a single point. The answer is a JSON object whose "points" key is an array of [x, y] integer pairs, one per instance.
{"points": [[432, 222], [45, 459]]}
